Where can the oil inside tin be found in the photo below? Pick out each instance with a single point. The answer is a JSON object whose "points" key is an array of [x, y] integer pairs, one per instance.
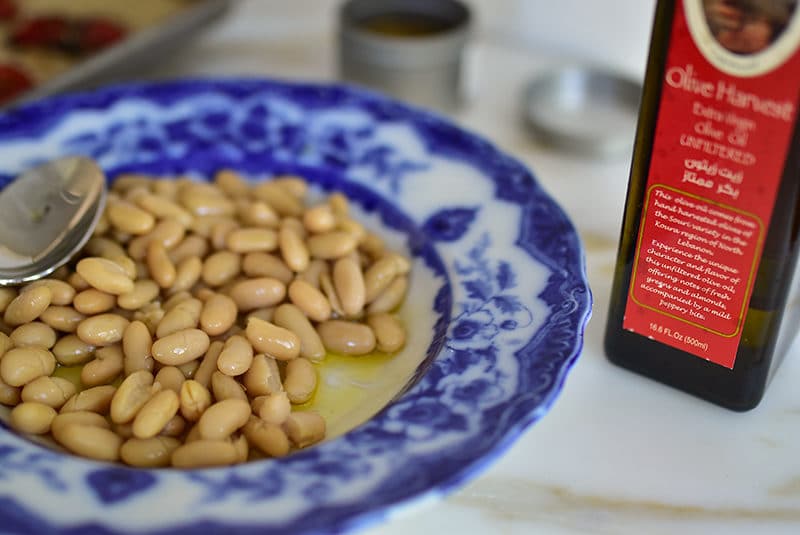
{"points": [[399, 24]]}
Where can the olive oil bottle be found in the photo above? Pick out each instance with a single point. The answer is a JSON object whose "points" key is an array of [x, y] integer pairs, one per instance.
{"points": [[709, 237]]}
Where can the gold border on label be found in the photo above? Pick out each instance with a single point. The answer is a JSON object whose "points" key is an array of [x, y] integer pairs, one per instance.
{"points": [[750, 276]]}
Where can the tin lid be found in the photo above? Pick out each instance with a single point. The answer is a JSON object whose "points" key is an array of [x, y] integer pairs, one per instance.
{"points": [[584, 111]]}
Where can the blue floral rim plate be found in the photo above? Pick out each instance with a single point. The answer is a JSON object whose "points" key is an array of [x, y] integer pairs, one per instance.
{"points": [[496, 313]]}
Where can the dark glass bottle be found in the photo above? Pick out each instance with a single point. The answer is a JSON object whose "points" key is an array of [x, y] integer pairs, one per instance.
{"points": [[742, 386]]}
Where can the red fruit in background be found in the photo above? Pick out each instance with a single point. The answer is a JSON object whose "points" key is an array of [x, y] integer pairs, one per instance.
{"points": [[97, 33], [72, 36], [13, 82], [8, 9], [46, 32]]}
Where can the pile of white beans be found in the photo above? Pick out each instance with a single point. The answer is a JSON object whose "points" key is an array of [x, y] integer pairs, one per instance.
{"points": [[195, 315]]}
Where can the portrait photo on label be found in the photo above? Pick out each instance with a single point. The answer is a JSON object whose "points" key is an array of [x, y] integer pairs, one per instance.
{"points": [[747, 26], [744, 37]]}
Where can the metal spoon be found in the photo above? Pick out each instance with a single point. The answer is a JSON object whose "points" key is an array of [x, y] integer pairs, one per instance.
{"points": [[46, 215]]}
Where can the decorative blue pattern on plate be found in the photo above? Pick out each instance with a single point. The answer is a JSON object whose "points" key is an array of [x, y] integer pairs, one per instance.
{"points": [[508, 307]]}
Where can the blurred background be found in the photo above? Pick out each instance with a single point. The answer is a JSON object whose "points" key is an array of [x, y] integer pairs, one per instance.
{"points": [[295, 39], [612, 33]]}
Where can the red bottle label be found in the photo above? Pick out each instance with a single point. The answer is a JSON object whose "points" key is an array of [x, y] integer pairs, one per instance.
{"points": [[725, 122]]}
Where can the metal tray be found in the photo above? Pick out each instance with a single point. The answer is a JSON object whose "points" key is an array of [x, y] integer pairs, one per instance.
{"points": [[133, 54]]}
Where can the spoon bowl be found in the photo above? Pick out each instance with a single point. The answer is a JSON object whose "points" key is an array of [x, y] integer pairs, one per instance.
{"points": [[46, 215]]}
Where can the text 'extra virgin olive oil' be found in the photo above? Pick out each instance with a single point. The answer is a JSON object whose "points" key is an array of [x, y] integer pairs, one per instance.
{"points": [[709, 238]]}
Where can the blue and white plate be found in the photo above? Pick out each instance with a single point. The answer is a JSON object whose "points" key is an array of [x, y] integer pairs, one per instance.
{"points": [[498, 305]]}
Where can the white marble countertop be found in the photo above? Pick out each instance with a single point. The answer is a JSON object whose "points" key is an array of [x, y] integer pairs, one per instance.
{"points": [[617, 453]]}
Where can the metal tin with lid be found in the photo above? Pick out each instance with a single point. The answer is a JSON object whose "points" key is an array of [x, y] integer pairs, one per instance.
{"points": [[410, 49]]}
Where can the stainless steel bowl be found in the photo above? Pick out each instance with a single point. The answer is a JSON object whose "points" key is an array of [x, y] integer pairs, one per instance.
{"points": [[583, 110]]}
